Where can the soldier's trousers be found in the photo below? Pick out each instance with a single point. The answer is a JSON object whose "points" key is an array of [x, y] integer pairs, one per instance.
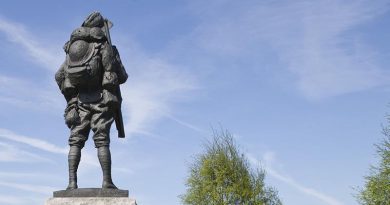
{"points": [[95, 116]]}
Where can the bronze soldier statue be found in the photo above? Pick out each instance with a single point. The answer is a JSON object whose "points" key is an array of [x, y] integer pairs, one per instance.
{"points": [[89, 79]]}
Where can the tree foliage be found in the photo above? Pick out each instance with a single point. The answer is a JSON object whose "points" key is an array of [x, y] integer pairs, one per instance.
{"points": [[377, 186], [222, 176]]}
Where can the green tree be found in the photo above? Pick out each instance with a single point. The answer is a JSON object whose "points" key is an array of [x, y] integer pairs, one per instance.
{"points": [[222, 176], [376, 190]]}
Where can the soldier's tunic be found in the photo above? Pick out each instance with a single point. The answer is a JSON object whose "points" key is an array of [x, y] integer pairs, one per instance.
{"points": [[88, 79]]}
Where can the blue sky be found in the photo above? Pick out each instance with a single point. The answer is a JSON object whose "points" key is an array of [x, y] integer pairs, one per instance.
{"points": [[302, 85]]}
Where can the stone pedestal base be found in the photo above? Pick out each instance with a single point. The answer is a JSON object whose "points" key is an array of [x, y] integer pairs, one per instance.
{"points": [[91, 196], [91, 192], [90, 201]]}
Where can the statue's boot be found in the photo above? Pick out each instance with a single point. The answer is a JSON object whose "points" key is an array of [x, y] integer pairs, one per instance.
{"points": [[104, 156], [73, 162]]}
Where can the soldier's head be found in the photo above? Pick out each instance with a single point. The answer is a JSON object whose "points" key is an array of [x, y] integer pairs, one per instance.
{"points": [[95, 19]]}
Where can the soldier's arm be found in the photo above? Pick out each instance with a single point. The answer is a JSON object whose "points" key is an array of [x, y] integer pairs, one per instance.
{"points": [[60, 76], [68, 90], [110, 77], [120, 69]]}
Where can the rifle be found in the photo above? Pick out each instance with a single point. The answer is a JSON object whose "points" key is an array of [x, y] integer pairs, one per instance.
{"points": [[118, 112]]}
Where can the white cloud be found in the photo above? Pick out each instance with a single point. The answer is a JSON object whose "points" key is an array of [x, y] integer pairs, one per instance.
{"points": [[312, 39], [14, 90], [5, 199], [20, 175], [26, 94], [17, 33], [33, 142], [29, 187], [188, 125], [329, 61], [269, 159], [9, 153]]}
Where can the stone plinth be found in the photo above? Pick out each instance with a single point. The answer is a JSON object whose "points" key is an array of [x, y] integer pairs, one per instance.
{"points": [[91, 192], [91, 196], [90, 201]]}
